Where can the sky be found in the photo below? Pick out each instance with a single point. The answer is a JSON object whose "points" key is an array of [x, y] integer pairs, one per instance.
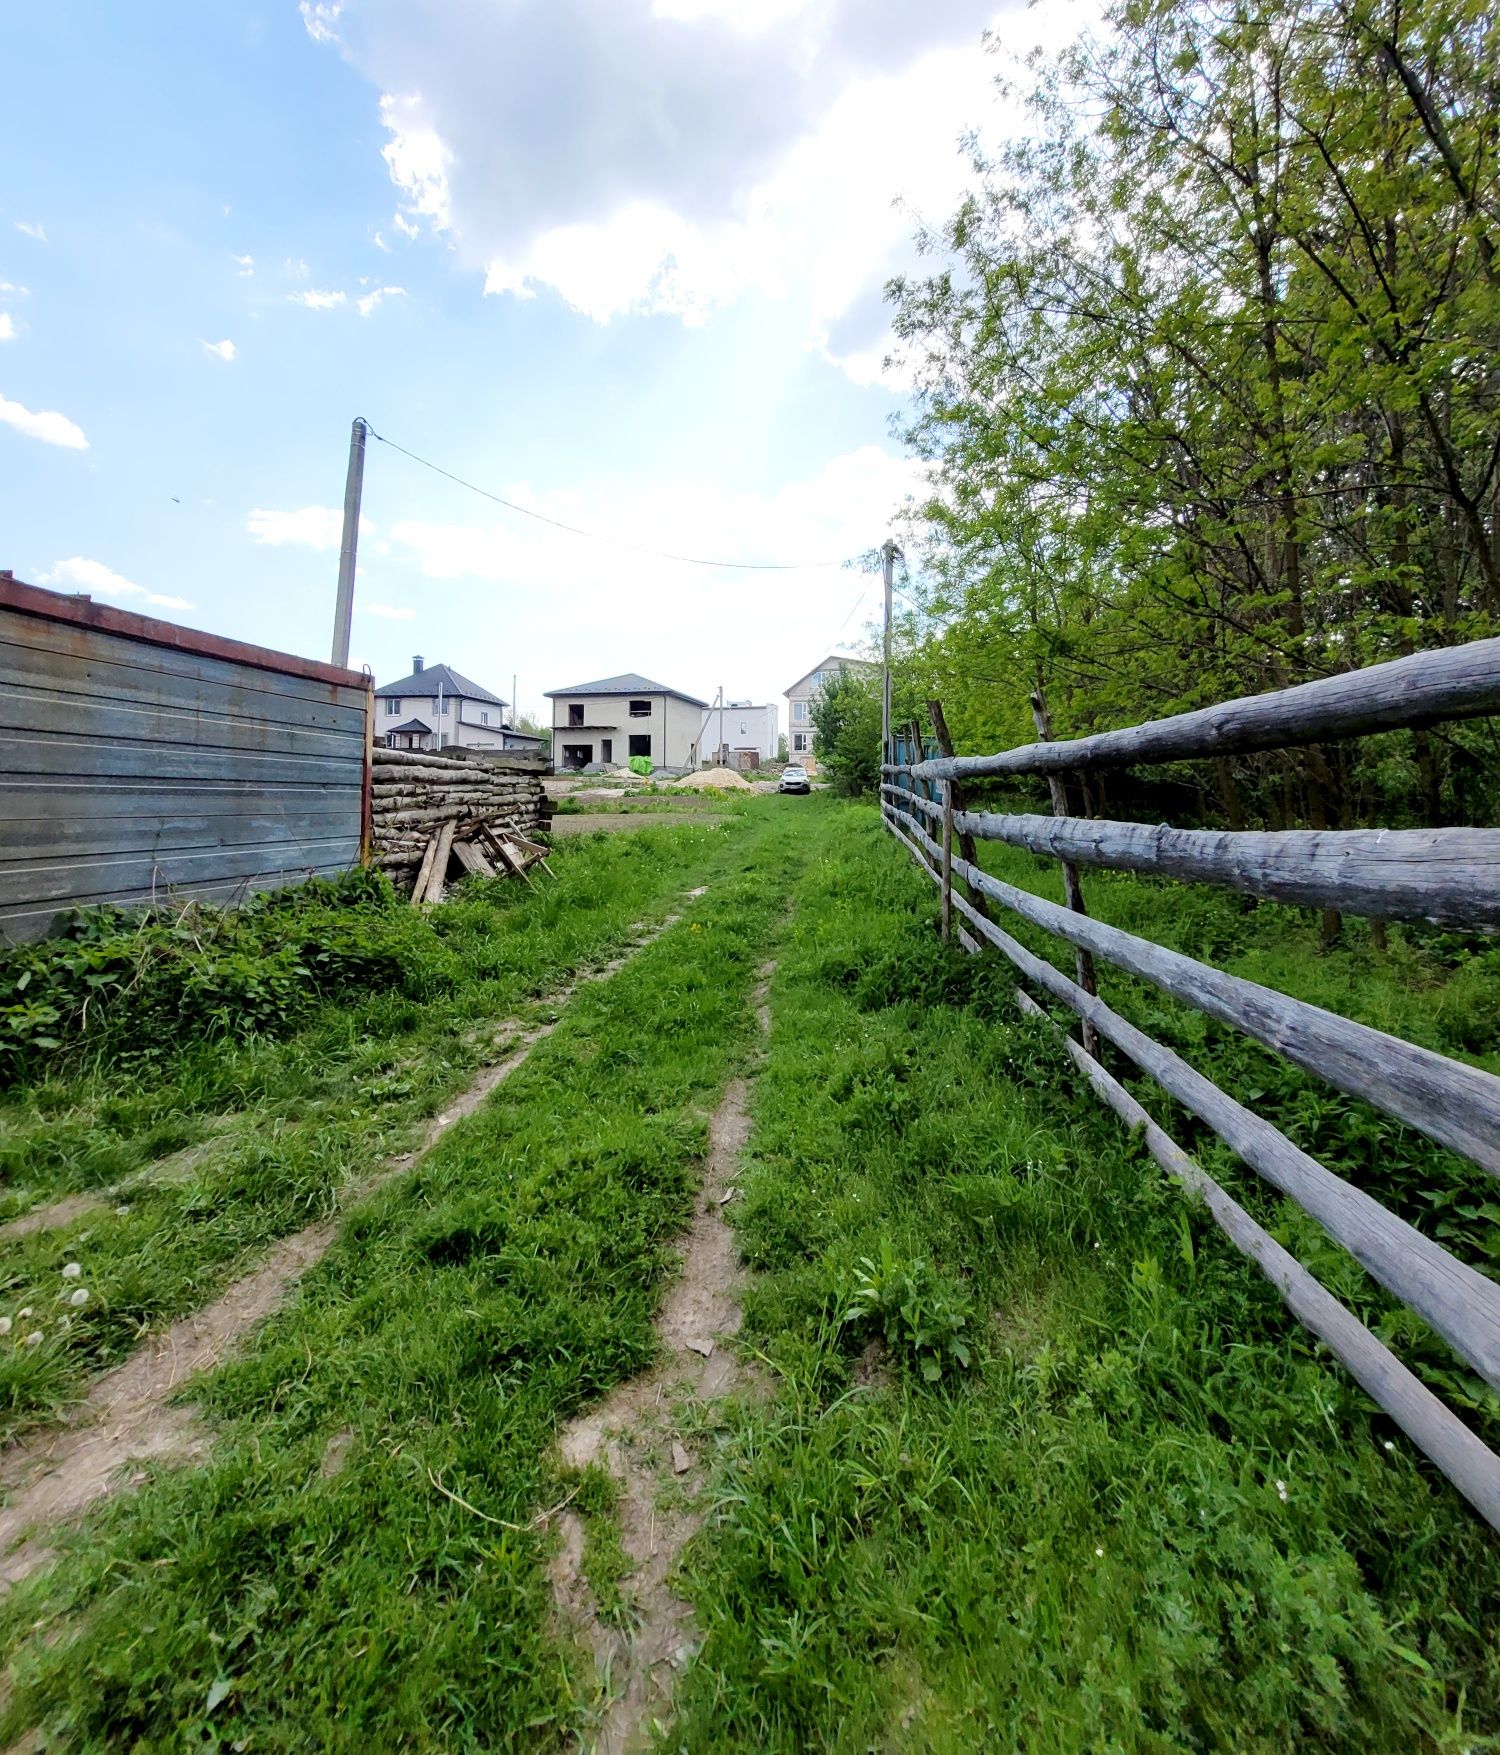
{"points": [[617, 261]]}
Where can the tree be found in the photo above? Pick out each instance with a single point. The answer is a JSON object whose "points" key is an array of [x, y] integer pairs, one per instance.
{"points": [[1209, 378], [846, 724]]}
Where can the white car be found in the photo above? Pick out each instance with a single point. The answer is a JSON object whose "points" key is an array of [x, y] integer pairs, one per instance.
{"points": [[794, 779]]}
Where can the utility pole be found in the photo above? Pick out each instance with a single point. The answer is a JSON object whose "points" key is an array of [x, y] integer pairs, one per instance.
{"points": [[888, 554], [353, 491], [719, 754]]}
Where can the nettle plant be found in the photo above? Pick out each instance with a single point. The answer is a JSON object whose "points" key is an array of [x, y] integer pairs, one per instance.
{"points": [[921, 1316]]}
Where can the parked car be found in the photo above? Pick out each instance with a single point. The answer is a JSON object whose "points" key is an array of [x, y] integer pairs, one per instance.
{"points": [[794, 779]]}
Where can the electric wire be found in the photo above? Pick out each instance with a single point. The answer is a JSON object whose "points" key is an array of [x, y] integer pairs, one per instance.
{"points": [[598, 536]]}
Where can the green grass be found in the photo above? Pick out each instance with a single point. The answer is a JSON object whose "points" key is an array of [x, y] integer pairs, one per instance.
{"points": [[1146, 1515], [1079, 1543], [282, 1128]]}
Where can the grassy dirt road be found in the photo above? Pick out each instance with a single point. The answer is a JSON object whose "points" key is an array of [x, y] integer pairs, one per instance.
{"points": [[1010, 1451]]}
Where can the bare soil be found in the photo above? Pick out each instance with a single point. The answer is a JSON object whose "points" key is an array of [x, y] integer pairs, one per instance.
{"points": [[634, 1433]]}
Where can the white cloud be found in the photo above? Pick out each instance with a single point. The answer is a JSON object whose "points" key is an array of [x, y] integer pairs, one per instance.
{"points": [[7, 326], [319, 17], [380, 243], [245, 265], [319, 527], [388, 611], [418, 161], [32, 230], [48, 426], [9, 290], [295, 267], [223, 350], [405, 227], [372, 299], [318, 301], [95, 578]]}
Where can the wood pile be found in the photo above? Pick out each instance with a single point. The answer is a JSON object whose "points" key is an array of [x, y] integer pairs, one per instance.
{"points": [[436, 815]]}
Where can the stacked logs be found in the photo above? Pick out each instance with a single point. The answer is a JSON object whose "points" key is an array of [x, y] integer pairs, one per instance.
{"points": [[414, 792]]}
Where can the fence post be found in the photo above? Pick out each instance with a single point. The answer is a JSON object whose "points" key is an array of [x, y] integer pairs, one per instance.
{"points": [[947, 861], [966, 843], [1072, 888]]}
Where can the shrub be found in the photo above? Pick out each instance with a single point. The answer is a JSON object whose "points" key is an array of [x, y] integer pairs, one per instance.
{"points": [[920, 1316], [137, 985]]}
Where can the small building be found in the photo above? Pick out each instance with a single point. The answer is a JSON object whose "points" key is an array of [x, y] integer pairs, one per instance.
{"points": [[603, 724], [738, 734], [802, 695], [437, 709]]}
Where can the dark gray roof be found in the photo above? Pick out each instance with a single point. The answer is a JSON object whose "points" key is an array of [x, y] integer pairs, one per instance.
{"points": [[426, 680], [411, 725], [632, 683]]}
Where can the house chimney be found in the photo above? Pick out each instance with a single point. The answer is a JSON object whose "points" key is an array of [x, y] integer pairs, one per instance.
{"points": [[416, 665]]}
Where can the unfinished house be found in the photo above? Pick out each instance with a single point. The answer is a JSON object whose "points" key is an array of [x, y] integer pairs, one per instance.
{"points": [[603, 724]]}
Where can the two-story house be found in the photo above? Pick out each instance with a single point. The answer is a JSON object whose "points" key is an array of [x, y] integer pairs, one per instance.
{"points": [[437, 709], [605, 723], [803, 693]]}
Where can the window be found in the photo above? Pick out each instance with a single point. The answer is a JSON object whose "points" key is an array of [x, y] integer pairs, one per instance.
{"points": [[443, 703], [799, 742], [640, 745], [640, 710], [575, 713], [443, 741], [577, 755], [607, 749], [392, 707], [800, 712], [484, 719]]}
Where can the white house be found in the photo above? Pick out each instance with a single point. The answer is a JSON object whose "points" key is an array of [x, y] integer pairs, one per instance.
{"points": [[737, 728], [437, 709], [803, 693], [605, 723]]}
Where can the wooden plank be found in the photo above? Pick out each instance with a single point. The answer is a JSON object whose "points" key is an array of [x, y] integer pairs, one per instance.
{"points": [[101, 619], [79, 755], [1432, 1426], [1455, 1104], [947, 878], [75, 662], [37, 713], [258, 822], [1461, 1305], [1443, 875], [439, 876], [80, 882], [1454, 682], [965, 842], [424, 872], [471, 859]]}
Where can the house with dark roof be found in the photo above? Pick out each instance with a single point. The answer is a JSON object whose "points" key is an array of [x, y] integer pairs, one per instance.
{"points": [[603, 724], [435, 708]]}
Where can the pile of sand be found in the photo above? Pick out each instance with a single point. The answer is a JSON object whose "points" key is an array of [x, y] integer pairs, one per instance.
{"points": [[625, 774], [715, 780]]}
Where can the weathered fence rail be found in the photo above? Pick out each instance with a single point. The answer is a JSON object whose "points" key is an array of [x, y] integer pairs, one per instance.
{"points": [[1451, 875]]}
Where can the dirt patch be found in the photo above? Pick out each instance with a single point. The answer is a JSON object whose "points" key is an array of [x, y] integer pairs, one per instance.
{"points": [[53, 1216], [127, 1416], [633, 1434]]}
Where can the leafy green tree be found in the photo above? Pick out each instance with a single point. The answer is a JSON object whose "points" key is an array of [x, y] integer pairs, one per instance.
{"points": [[846, 724]]}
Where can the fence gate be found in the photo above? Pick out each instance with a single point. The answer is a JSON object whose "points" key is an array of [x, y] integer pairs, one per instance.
{"points": [[1450, 876]]}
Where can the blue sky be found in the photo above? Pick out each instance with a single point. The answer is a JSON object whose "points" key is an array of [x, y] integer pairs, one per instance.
{"points": [[619, 260]]}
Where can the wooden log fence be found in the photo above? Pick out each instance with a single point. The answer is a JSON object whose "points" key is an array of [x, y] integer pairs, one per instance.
{"points": [[1445, 875]]}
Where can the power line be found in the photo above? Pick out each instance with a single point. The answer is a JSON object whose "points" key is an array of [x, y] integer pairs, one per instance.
{"points": [[597, 536]]}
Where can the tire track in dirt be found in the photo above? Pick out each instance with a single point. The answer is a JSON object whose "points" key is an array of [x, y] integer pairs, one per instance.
{"points": [[632, 1434], [128, 1416]]}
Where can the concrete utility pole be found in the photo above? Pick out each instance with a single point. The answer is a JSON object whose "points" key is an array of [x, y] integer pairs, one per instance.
{"points": [[888, 553], [719, 754], [353, 491]]}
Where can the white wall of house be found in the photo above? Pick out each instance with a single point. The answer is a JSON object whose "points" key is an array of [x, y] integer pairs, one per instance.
{"points": [[666, 732], [800, 700], [462, 723], [742, 727]]}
